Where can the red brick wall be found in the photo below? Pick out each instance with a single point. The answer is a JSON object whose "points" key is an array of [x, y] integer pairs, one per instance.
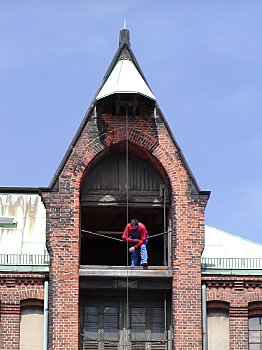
{"points": [[149, 138], [14, 288], [238, 291]]}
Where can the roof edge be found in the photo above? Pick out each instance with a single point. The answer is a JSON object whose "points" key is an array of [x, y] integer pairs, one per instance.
{"points": [[124, 42], [25, 190], [183, 158], [234, 235]]}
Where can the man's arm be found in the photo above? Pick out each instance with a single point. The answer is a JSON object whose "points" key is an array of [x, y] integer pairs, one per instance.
{"points": [[125, 235], [143, 233]]}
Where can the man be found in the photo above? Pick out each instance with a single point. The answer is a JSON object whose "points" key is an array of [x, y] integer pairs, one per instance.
{"points": [[137, 237]]}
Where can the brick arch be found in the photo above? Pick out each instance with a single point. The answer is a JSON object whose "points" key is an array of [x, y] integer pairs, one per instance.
{"points": [[218, 295], [254, 297], [27, 303], [218, 305], [255, 309], [135, 150], [83, 157], [35, 294]]}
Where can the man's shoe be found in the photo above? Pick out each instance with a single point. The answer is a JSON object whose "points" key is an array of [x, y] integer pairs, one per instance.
{"points": [[145, 265]]}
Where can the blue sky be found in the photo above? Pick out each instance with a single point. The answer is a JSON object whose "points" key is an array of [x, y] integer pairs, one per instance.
{"points": [[202, 59]]}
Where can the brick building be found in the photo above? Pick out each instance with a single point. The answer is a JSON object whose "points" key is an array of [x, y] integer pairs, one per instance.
{"points": [[65, 277]]}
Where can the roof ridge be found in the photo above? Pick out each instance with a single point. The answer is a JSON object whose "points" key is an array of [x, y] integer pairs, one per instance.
{"points": [[234, 235]]}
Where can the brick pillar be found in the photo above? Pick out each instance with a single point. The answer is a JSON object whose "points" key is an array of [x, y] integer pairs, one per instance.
{"points": [[63, 245], [187, 303], [238, 328], [10, 325]]}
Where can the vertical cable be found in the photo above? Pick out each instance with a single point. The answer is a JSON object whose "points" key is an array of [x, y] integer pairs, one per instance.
{"points": [[127, 217], [165, 233]]}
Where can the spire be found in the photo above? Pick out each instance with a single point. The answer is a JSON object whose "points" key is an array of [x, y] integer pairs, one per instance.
{"points": [[124, 38], [124, 74]]}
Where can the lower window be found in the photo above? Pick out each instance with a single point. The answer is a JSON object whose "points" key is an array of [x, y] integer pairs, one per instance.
{"points": [[218, 326], [109, 324], [31, 327], [255, 333]]}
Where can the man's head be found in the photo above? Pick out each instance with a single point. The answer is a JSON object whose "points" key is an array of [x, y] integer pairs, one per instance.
{"points": [[134, 223]]}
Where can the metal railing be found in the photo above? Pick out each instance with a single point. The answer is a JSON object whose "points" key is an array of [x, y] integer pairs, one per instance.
{"points": [[232, 263], [24, 259]]}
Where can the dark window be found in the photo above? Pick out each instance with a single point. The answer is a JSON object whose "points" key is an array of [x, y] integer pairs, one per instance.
{"points": [[101, 322], [111, 325]]}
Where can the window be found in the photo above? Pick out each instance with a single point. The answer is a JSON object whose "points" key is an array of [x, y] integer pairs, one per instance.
{"points": [[8, 222], [109, 325], [255, 326], [147, 323], [218, 325], [31, 325], [255, 333], [101, 322]]}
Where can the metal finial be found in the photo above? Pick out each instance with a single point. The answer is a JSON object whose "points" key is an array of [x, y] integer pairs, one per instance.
{"points": [[124, 23]]}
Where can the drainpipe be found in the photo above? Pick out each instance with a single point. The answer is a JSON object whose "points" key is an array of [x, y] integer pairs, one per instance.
{"points": [[45, 346], [204, 317]]}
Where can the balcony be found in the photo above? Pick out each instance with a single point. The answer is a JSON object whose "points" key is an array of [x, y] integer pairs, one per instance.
{"points": [[232, 266], [24, 262]]}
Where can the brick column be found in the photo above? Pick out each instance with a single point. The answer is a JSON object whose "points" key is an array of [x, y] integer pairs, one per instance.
{"points": [[63, 245], [189, 243], [10, 325], [238, 328]]}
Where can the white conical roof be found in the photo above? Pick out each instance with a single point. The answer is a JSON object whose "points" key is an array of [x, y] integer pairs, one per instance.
{"points": [[125, 78], [221, 244]]}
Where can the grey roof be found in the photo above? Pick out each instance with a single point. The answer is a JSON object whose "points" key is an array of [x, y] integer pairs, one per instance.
{"points": [[221, 244]]}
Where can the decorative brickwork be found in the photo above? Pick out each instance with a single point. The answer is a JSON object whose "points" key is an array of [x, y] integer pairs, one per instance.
{"points": [[14, 289], [239, 292]]}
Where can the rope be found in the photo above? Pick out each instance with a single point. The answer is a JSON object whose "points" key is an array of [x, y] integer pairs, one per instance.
{"points": [[99, 234], [127, 246], [118, 239]]}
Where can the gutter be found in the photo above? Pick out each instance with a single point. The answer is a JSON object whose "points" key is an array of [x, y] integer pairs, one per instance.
{"points": [[204, 318], [46, 310]]}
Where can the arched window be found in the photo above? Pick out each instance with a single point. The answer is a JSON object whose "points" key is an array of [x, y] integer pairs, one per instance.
{"points": [[218, 325], [255, 326], [31, 324]]}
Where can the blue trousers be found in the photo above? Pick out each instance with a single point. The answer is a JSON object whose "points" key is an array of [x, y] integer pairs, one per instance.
{"points": [[142, 251]]}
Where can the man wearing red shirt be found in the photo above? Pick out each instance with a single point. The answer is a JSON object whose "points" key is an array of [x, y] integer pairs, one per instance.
{"points": [[137, 237]]}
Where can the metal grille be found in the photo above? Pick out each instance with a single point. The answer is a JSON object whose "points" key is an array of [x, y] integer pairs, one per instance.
{"points": [[101, 323], [148, 346], [157, 323], [95, 345], [103, 330], [111, 323], [90, 345], [147, 324], [91, 322], [138, 323]]}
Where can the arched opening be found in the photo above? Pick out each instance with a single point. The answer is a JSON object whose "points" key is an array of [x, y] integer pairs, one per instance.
{"points": [[31, 324], [218, 325], [106, 206]]}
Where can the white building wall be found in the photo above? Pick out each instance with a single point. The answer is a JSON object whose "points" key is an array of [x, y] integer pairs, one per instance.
{"points": [[29, 235]]}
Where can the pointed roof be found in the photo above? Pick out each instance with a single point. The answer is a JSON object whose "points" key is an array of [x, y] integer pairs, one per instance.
{"points": [[221, 244], [124, 75], [125, 78]]}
